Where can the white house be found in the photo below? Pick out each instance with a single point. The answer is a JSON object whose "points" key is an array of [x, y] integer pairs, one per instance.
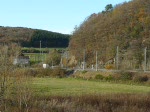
{"points": [[22, 60]]}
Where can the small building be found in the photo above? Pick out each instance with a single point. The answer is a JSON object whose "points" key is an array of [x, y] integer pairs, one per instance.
{"points": [[22, 60], [45, 66]]}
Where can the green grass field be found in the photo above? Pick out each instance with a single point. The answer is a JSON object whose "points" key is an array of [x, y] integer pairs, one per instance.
{"points": [[71, 87], [38, 57], [42, 49]]}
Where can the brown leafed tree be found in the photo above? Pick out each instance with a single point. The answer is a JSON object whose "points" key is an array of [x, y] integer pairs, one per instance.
{"points": [[103, 32]]}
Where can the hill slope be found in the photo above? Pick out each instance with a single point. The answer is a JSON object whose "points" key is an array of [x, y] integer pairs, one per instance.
{"points": [[28, 37], [127, 25]]}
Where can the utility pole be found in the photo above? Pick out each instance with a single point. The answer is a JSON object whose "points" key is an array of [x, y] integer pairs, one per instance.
{"points": [[66, 59], [40, 50], [145, 58], [61, 61], [61, 65], [42, 56], [117, 58], [52, 63], [84, 59], [96, 61]]}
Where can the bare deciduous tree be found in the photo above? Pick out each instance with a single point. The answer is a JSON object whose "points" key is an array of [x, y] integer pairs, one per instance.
{"points": [[7, 54]]}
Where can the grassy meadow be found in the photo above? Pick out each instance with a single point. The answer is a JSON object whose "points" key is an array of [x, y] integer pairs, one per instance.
{"points": [[77, 87], [68, 94], [36, 56], [42, 49], [78, 95]]}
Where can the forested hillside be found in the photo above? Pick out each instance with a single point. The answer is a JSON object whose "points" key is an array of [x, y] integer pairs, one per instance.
{"points": [[49, 39], [28, 37], [126, 25]]}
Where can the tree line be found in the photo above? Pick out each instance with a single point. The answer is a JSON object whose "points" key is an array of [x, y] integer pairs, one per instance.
{"points": [[49, 39], [28, 37]]}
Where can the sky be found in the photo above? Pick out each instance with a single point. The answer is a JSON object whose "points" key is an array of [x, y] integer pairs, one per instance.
{"points": [[53, 15]]}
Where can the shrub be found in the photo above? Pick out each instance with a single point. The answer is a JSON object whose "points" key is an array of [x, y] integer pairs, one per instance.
{"points": [[43, 72], [69, 72], [99, 76], [109, 78], [31, 72], [58, 72], [116, 76], [138, 78], [126, 76], [109, 67], [54, 57], [84, 71]]}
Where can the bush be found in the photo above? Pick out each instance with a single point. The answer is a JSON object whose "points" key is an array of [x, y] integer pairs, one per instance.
{"points": [[108, 67], [126, 76], [44, 72], [58, 72], [138, 78], [54, 57], [84, 71], [109, 78], [100, 77], [31, 72]]}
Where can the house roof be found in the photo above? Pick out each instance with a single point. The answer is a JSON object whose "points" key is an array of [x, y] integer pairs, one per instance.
{"points": [[23, 57]]}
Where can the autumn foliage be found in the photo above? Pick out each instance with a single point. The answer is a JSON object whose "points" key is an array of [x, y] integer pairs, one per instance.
{"points": [[127, 25], [28, 37]]}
